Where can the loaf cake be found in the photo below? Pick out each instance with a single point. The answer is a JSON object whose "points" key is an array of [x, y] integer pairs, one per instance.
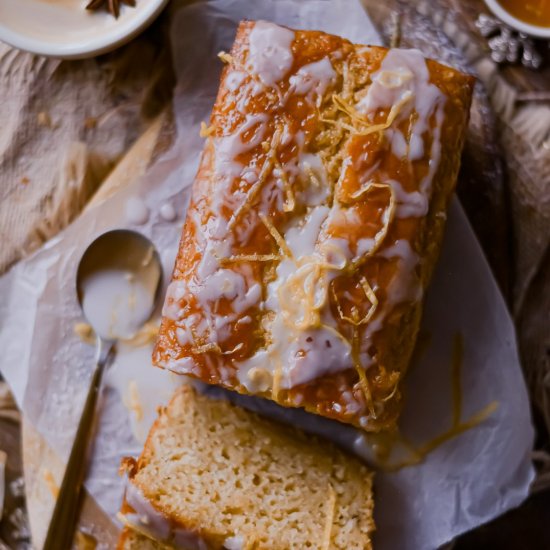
{"points": [[315, 222], [213, 475]]}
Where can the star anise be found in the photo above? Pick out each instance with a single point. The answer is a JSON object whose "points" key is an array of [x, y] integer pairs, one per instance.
{"points": [[113, 6]]}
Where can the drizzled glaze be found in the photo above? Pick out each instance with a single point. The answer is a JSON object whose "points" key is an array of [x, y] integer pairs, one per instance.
{"points": [[147, 520], [270, 55], [296, 267]]}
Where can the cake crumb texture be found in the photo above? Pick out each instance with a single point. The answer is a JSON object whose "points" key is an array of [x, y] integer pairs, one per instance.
{"points": [[221, 472]]}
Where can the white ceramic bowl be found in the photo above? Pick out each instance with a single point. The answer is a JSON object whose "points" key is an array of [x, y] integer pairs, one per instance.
{"points": [[514, 22], [65, 29]]}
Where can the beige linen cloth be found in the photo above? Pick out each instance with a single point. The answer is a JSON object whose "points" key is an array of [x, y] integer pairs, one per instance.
{"points": [[64, 125]]}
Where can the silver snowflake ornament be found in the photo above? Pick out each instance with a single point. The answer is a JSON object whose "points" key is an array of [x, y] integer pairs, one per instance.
{"points": [[20, 523], [508, 45], [17, 487]]}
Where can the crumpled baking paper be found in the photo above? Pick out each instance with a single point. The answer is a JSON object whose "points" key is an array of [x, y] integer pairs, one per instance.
{"points": [[464, 482]]}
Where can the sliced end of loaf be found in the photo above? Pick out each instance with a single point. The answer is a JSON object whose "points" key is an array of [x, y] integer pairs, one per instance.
{"points": [[237, 480]]}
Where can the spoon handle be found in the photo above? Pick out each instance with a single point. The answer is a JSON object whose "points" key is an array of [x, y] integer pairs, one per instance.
{"points": [[67, 507]]}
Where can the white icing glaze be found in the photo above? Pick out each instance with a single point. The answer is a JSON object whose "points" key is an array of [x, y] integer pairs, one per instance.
{"points": [[364, 246], [312, 168], [152, 523], [183, 336], [270, 54], [336, 251], [175, 292], [136, 211], [301, 239], [227, 167], [409, 205], [228, 284], [405, 287], [223, 283], [313, 80], [313, 354], [402, 74], [303, 350], [234, 80], [212, 284], [234, 543], [255, 373], [116, 303], [185, 365], [167, 212], [229, 147]]}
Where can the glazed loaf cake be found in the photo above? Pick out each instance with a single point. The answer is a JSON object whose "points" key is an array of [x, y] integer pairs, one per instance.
{"points": [[213, 475], [315, 222]]}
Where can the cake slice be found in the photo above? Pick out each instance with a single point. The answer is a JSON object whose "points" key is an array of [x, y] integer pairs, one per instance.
{"points": [[213, 475]]}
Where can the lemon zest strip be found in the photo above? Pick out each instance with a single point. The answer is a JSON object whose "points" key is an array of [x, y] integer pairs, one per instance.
{"points": [[281, 243]]}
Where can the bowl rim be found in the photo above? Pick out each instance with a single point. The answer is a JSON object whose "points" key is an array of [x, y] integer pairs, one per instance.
{"points": [[514, 22], [92, 47]]}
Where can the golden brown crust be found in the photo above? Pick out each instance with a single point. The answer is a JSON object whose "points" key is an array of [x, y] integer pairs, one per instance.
{"points": [[127, 466], [130, 540], [365, 393]]}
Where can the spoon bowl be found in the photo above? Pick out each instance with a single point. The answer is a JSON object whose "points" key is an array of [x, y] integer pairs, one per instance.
{"points": [[118, 283]]}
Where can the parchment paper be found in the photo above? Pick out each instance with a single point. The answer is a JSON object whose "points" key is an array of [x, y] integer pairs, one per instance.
{"points": [[463, 483]]}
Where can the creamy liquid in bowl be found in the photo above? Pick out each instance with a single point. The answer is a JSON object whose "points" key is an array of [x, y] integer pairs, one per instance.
{"points": [[65, 28], [44, 19], [533, 12], [117, 303]]}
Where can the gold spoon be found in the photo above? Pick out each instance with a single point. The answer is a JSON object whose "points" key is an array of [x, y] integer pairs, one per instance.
{"points": [[112, 258]]}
